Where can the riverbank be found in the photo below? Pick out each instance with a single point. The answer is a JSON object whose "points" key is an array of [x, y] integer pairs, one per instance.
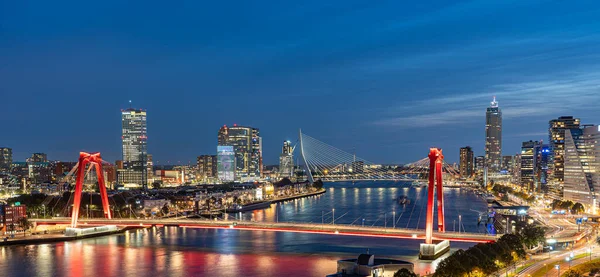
{"points": [[266, 203], [283, 199], [52, 238]]}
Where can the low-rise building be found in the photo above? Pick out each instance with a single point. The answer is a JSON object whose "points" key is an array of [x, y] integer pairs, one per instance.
{"points": [[366, 265]]}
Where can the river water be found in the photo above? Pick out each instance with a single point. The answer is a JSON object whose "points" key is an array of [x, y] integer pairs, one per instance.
{"points": [[206, 252]]}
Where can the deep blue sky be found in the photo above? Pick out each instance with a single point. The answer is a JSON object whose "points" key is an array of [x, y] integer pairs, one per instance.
{"points": [[387, 78]]}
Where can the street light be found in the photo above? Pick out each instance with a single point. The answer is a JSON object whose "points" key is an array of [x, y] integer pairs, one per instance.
{"points": [[333, 216], [459, 220], [568, 259], [558, 269], [363, 223], [394, 218]]}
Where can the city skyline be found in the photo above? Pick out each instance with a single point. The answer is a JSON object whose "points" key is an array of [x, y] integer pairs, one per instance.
{"points": [[379, 71]]}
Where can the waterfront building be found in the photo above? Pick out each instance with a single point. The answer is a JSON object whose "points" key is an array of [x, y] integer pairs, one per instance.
{"points": [[247, 148], [10, 215], [466, 166], [528, 164], [207, 167], [6, 159], [135, 153], [368, 265], [286, 160], [582, 166], [226, 164], [556, 133], [479, 164], [493, 137], [357, 167]]}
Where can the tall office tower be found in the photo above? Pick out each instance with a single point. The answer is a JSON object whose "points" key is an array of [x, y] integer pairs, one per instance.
{"points": [[479, 164], [247, 146], [286, 160], [5, 158], [135, 151], [542, 152], [207, 167], [517, 169], [582, 166], [528, 164], [493, 137], [556, 134], [466, 162]]}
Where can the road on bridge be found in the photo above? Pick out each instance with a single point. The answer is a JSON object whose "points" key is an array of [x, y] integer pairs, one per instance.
{"points": [[331, 229]]}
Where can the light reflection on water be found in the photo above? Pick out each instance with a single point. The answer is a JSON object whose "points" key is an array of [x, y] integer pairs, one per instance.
{"points": [[198, 252]]}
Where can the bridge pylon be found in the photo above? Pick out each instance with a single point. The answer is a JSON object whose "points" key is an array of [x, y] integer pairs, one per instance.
{"points": [[430, 249], [94, 160]]}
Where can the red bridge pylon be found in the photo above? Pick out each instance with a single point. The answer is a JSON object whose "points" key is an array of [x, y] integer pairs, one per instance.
{"points": [[96, 161], [436, 159]]}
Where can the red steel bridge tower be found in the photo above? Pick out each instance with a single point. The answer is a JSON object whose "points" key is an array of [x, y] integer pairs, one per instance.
{"points": [[436, 160], [94, 160]]}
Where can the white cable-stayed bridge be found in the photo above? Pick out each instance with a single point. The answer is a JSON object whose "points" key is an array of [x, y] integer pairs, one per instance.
{"points": [[329, 163]]}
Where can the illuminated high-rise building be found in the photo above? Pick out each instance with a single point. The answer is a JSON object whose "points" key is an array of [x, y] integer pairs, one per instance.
{"points": [[207, 167], [466, 166], [6, 158], [528, 164], [556, 133], [582, 166], [493, 137], [247, 146], [135, 152], [479, 164], [286, 160]]}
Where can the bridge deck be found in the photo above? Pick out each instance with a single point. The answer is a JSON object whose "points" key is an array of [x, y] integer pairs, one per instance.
{"points": [[338, 229]]}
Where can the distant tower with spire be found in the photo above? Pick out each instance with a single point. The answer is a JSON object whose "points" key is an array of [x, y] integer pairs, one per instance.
{"points": [[493, 137]]}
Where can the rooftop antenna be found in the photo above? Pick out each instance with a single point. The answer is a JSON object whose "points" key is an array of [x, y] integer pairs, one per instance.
{"points": [[494, 103]]}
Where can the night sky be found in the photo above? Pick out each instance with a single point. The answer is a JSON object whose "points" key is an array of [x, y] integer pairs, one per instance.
{"points": [[387, 79]]}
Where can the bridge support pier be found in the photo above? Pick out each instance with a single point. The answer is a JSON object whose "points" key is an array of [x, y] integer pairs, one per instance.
{"points": [[431, 250], [95, 161]]}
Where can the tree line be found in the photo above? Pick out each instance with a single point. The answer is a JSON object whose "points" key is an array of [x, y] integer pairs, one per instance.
{"points": [[484, 259]]}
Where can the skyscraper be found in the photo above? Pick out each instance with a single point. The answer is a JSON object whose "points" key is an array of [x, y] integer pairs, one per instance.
{"points": [[135, 166], [528, 164], [582, 166], [207, 167], [466, 162], [493, 137], [541, 166], [247, 146], [556, 133], [286, 160], [6, 158]]}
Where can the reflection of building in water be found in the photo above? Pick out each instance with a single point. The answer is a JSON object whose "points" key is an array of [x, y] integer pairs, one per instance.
{"points": [[367, 265]]}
